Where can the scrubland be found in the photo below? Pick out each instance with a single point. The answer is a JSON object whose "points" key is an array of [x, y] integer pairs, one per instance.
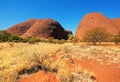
{"points": [[20, 60]]}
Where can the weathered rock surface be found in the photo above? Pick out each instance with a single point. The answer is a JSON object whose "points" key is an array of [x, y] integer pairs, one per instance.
{"points": [[92, 20], [21, 28], [40, 28], [116, 21]]}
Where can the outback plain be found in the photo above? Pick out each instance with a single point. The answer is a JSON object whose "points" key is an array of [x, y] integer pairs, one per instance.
{"points": [[68, 62], [41, 50]]}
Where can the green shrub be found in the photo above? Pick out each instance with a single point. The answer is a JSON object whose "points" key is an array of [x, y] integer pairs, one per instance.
{"points": [[70, 36], [51, 39], [34, 40], [26, 39], [31, 40], [62, 41], [55, 41], [4, 36], [14, 38]]}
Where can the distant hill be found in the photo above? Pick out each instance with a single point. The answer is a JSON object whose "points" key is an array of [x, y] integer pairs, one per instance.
{"points": [[43, 28], [96, 19]]}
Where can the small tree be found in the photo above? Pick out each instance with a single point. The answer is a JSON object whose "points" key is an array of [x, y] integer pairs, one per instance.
{"points": [[95, 35]]}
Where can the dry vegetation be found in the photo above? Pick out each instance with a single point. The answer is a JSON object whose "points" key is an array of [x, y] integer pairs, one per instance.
{"points": [[20, 59]]}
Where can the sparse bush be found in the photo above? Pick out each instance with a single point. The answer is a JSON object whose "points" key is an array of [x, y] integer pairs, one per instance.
{"points": [[33, 40], [50, 39], [26, 39], [70, 36], [62, 41], [53, 40], [4, 36], [116, 38], [14, 38], [95, 35]]}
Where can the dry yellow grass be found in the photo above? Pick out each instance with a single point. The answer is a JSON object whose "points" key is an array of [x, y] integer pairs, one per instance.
{"points": [[18, 56]]}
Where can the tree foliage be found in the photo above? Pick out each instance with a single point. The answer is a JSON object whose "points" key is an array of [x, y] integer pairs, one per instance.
{"points": [[116, 38], [95, 35]]}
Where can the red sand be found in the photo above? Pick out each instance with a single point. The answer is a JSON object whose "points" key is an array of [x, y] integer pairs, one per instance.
{"points": [[41, 77], [104, 73]]}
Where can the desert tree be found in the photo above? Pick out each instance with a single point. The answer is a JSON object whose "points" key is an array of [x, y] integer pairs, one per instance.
{"points": [[96, 34], [116, 38]]}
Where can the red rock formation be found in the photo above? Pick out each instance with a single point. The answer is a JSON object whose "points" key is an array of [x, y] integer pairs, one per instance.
{"points": [[20, 29], [116, 21], [40, 28], [46, 28], [95, 20]]}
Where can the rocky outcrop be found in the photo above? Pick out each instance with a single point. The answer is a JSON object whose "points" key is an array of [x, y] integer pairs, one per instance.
{"points": [[92, 20], [21, 28], [116, 21], [40, 28]]}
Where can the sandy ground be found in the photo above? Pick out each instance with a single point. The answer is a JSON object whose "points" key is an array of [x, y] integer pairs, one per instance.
{"points": [[101, 63]]}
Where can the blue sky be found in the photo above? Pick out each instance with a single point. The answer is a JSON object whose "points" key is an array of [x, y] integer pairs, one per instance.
{"points": [[67, 12]]}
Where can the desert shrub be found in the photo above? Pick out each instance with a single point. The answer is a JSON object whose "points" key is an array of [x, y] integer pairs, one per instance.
{"points": [[62, 41], [4, 36], [33, 40], [53, 40], [70, 36], [116, 38], [14, 38], [57, 66], [50, 39], [95, 35], [26, 39]]}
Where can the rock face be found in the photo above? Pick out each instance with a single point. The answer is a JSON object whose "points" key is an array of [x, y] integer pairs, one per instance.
{"points": [[20, 29], [92, 20], [40, 28], [116, 21]]}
